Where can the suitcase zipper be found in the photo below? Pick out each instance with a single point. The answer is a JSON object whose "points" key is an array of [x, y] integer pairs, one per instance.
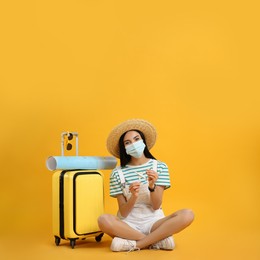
{"points": [[74, 202]]}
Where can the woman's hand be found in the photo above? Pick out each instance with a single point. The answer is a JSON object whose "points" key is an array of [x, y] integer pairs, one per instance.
{"points": [[152, 177], [125, 206], [134, 188]]}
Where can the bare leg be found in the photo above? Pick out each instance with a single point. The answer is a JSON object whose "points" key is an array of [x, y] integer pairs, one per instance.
{"points": [[166, 227], [114, 227], [161, 229]]}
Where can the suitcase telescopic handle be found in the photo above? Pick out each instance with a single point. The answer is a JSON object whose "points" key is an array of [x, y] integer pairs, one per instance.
{"points": [[69, 134]]}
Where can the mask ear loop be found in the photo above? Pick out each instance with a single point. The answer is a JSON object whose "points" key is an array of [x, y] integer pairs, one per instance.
{"points": [[141, 176]]}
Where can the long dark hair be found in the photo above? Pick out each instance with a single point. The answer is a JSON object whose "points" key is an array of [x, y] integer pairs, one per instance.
{"points": [[124, 157]]}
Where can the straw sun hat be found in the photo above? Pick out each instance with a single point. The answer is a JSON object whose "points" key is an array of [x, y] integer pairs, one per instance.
{"points": [[144, 126]]}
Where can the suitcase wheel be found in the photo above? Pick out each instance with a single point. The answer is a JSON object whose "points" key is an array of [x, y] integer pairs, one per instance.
{"points": [[72, 242], [99, 237], [57, 240]]}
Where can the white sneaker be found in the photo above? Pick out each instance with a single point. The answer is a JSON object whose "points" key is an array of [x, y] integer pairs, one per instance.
{"points": [[166, 244], [119, 244]]}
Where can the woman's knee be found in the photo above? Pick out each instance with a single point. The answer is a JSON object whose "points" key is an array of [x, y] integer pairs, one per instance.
{"points": [[105, 220], [187, 216]]}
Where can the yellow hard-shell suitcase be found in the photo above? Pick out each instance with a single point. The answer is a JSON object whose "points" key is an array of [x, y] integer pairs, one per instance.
{"points": [[78, 201]]}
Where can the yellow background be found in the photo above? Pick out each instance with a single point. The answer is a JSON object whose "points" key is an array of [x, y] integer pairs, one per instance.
{"points": [[189, 67]]}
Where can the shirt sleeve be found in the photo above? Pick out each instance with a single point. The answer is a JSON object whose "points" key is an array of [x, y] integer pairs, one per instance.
{"points": [[163, 175], [115, 184]]}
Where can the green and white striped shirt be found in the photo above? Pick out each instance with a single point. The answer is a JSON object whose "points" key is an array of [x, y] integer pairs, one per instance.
{"points": [[133, 173]]}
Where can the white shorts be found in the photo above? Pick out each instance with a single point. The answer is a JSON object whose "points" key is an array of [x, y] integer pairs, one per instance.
{"points": [[141, 222]]}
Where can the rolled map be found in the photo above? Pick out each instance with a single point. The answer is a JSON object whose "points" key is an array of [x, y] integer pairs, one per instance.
{"points": [[80, 162]]}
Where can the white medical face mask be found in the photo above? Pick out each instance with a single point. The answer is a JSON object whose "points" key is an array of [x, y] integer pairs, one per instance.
{"points": [[135, 149]]}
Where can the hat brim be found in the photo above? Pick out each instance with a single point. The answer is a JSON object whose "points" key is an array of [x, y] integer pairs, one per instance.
{"points": [[144, 126]]}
